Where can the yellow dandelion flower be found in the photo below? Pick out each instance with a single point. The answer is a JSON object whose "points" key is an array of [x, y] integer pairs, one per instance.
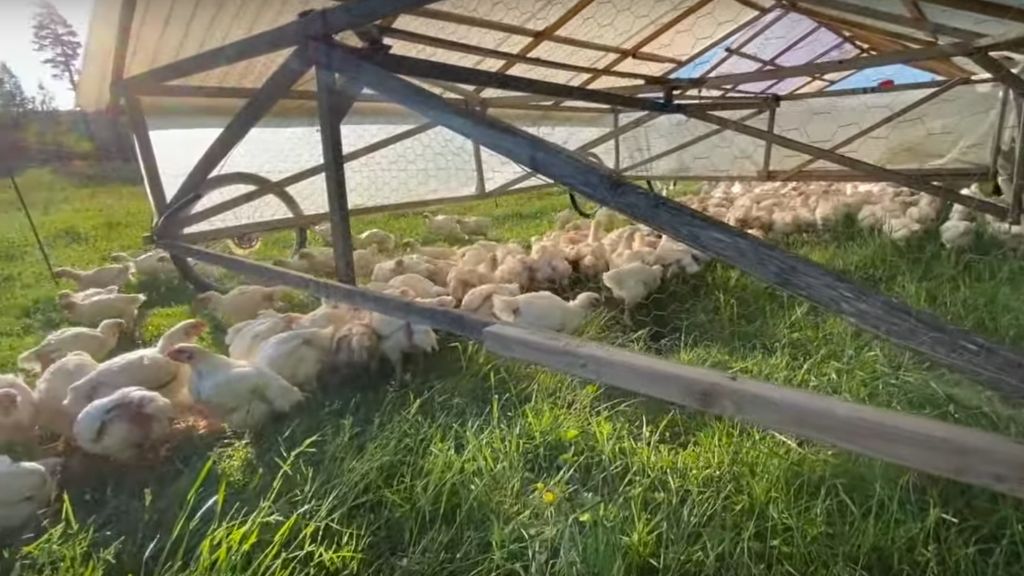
{"points": [[549, 496]]}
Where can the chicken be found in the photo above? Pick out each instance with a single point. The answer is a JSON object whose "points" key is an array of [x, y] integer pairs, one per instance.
{"points": [[632, 283], [96, 342], [672, 255], [26, 489], [87, 295], [957, 233], [52, 390], [364, 260], [125, 424], [297, 356], [147, 368], [474, 225], [564, 218], [439, 302], [244, 339], [462, 279], [545, 310], [399, 337], [480, 300], [237, 393], [381, 240], [550, 268], [102, 277], [17, 411], [330, 314], [421, 286], [318, 261], [356, 345], [385, 271], [900, 229], [94, 311], [436, 252], [446, 227], [518, 270], [240, 304], [154, 264]]}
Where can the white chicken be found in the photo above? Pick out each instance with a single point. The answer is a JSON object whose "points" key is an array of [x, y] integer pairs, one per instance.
{"points": [[297, 356], [381, 240], [244, 339], [957, 233], [240, 304], [154, 264], [632, 283], [318, 261], [17, 411], [147, 368], [385, 271], [545, 310], [673, 255], [446, 227], [356, 345], [94, 311], [462, 278], [52, 390], [423, 287], [87, 295], [399, 337], [474, 225], [480, 300], [237, 393], [124, 425], [330, 314], [26, 489], [364, 260], [102, 277], [436, 252], [96, 342]]}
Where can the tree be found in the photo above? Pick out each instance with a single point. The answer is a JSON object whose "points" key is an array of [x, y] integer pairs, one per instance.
{"points": [[44, 100], [53, 36], [13, 101]]}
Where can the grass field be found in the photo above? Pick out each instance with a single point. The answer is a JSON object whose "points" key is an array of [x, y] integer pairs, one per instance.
{"points": [[483, 466]]}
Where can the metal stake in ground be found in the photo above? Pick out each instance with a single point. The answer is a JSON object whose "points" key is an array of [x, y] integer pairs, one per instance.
{"points": [[32, 225]]}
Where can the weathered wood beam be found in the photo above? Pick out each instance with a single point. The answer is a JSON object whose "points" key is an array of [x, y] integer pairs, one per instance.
{"points": [[1000, 72], [961, 48], [997, 136], [948, 450], [914, 10], [125, 17], [883, 174], [879, 89], [351, 14], [279, 82], [515, 30], [420, 68], [892, 18], [147, 157], [1018, 170], [509, 57], [983, 7], [332, 106], [995, 366], [878, 124]]}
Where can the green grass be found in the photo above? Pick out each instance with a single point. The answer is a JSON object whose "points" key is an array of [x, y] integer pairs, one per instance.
{"points": [[483, 466]]}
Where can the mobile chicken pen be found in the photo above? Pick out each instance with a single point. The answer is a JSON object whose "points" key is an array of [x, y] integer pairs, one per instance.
{"points": [[465, 99]]}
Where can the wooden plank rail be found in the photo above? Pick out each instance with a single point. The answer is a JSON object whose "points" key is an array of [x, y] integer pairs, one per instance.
{"points": [[951, 451], [996, 366], [925, 444]]}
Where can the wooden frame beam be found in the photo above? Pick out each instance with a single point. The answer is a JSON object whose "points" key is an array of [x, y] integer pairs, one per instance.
{"points": [[352, 14], [332, 106], [983, 7], [147, 157], [995, 366], [515, 30], [892, 18], [947, 450]]}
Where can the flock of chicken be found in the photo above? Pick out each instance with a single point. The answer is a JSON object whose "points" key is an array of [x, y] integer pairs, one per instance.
{"points": [[120, 407], [782, 208]]}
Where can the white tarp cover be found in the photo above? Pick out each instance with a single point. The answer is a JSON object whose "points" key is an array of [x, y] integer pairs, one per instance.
{"points": [[953, 131]]}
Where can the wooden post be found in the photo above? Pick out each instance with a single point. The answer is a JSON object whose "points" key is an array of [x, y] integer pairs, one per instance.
{"points": [[618, 147], [997, 137], [766, 166], [995, 366], [1018, 168], [147, 157], [334, 172]]}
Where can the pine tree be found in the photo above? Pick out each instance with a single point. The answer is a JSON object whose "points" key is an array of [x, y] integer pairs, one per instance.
{"points": [[13, 101], [44, 100], [53, 36]]}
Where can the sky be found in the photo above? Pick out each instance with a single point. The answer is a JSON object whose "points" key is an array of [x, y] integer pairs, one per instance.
{"points": [[16, 43]]}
